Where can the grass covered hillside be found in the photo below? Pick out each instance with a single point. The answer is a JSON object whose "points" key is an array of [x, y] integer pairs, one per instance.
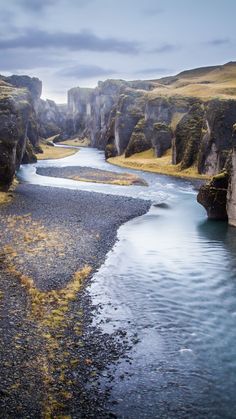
{"points": [[205, 83]]}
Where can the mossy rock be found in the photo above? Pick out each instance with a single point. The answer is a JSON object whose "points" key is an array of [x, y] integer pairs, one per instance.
{"points": [[188, 137], [138, 143], [161, 126], [110, 151], [213, 196]]}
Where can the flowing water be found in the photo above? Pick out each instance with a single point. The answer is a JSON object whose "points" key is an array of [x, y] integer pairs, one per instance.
{"points": [[170, 281]]}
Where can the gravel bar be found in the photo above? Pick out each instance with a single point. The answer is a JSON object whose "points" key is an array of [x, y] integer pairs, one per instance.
{"points": [[52, 355]]}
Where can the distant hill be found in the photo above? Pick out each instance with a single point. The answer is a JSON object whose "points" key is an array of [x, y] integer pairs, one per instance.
{"points": [[204, 82]]}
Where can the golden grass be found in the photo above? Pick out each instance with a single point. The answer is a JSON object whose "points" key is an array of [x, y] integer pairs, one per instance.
{"points": [[85, 142], [5, 198], [51, 152], [109, 182], [124, 179], [217, 82], [147, 162]]}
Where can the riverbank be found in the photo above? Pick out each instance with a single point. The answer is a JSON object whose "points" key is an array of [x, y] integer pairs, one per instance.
{"points": [[147, 162], [52, 355], [87, 174], [52, 152], [77, 142]]}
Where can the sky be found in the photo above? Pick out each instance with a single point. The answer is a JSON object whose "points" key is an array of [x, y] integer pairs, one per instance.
{"points": [[68, 43]]}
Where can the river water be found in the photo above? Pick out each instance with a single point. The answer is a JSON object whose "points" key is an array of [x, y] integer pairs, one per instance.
{"points": [[170, 281]]}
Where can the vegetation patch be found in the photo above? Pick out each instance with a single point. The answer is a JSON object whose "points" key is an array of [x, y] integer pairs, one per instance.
{"points": [[77, 142], [5, 198], [147, 161], [204, 83], [52, 152], [123, 179]]}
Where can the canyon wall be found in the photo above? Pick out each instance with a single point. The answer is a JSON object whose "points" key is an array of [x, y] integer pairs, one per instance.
{"points": [[127, 117], [24, 118], [193, 114]]}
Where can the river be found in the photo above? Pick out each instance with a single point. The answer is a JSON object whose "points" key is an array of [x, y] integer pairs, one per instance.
{"points": [[170, 281]]}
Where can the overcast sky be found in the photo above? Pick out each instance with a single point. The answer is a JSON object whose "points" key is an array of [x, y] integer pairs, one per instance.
{"points": [[69, 43]]}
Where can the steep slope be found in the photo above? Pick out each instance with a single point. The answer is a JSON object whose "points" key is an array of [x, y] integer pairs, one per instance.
{"points": [[16, 116], [24, 118]]}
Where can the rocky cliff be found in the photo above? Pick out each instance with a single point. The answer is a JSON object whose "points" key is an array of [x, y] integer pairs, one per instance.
{"points": [[51, 118], [16, 116], [184, 113], [192, 113], [24, 118]]}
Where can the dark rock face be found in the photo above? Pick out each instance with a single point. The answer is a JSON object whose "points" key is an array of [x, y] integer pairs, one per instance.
{"points": [[16, 110], [24, 118], [219, 196], [51, 118], [162, 138], [34, 87], [32, 84], [216, 145], [188, 137], [213, 196], [29, 156], [231, 195], [138, 140]]}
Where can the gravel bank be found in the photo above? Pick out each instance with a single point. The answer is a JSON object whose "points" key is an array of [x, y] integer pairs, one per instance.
{"points": [[52, 355], [92, 175]]}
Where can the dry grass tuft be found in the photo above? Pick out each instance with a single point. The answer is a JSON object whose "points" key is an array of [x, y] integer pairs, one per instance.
{"points": [[5, 198]]}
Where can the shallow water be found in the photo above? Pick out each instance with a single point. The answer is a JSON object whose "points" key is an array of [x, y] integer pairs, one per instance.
{"points": [[171, 282]]}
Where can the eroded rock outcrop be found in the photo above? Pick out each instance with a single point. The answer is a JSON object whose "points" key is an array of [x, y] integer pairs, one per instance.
{"points": [[219, 196], [231, 195], [16, 112], [24, 119], [51, 118], [213, 197]]}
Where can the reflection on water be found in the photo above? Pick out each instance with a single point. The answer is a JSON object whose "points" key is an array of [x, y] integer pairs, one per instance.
{"points": [[171, 282]]}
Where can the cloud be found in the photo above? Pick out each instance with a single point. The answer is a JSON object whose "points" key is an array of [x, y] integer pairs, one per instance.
{"points": [[84, 40], [26, 60], [85, 71], [156, 70], [165, 48], [36, 5], [218, 41], [6, 16], [152, 11]]}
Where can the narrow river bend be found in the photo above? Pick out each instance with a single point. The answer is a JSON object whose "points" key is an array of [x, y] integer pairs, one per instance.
{"points": [[170, 281]]}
